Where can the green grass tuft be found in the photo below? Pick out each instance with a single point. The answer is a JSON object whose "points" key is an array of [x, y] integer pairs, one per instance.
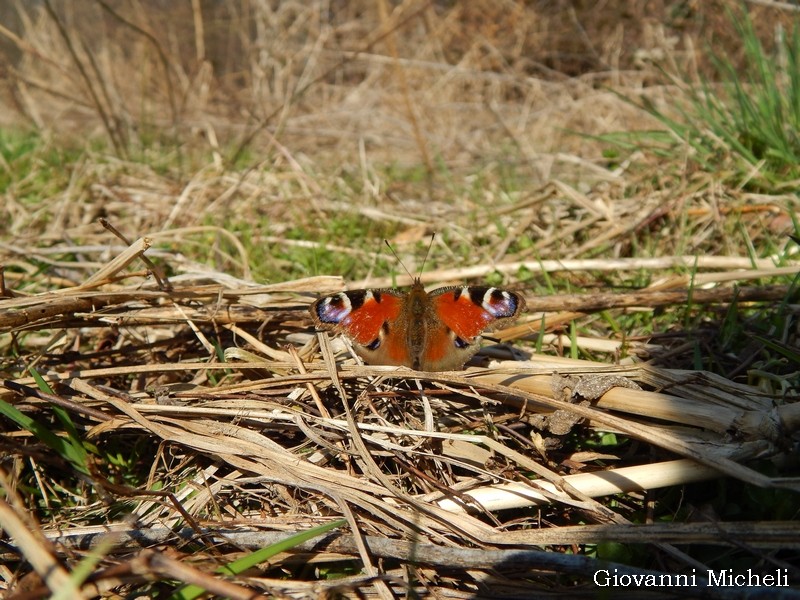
{"points": [[744, 124]]}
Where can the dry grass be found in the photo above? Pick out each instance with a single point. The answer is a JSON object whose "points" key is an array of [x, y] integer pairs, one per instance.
{"points": [[198, 417], [273, 439]]}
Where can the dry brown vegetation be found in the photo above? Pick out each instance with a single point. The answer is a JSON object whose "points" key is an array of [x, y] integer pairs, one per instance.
{"points": [[178, 184]]}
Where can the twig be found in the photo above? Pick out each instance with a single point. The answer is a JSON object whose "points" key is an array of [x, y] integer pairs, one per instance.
{"points": [[158, 273]]}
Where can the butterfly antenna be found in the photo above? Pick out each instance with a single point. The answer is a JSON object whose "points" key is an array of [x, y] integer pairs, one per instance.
{"points": [[397, 257], [427, 253]]}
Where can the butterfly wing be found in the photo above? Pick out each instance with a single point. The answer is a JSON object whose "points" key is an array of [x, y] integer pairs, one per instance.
{"points": [[366, 317], [439, 331], [463, 313]]}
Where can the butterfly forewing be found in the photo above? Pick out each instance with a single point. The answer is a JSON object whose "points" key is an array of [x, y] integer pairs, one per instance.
{"points": [[360, 314], [468, 311]]}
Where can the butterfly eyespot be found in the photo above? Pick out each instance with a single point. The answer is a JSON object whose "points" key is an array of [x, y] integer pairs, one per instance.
{"points": [[332, 309], [498, 303]]}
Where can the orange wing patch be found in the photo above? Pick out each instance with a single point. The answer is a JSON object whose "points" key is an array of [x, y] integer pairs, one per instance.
{"points": [[461, 314]]}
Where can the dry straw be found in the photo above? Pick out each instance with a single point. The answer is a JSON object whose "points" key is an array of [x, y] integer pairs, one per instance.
{"points": [[395, 451]]}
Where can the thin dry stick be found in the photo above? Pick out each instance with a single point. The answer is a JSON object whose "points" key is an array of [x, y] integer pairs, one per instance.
{"points": [[756, 534], [162, 57], [744, 264], [299, 93], [323, 410], [366, 560], [109, 103], [111, 130], [37, 552], [585, 303], [163, 282], [411, 113], [150, 561]]}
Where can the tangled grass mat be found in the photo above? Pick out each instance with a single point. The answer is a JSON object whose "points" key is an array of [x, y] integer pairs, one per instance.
{"points": [[245, 427]]}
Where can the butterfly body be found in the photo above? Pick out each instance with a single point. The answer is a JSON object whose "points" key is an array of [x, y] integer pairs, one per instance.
{"points": [[427, 331]]}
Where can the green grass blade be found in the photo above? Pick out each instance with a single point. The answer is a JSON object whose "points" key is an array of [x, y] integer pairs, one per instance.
{"points": [[59, 411], [744, 119], [246, 562], [61, 446], [83, 569], [782, 349], [73, 439]]}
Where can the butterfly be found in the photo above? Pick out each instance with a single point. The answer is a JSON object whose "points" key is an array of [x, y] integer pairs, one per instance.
{"points": [[427, 331]]}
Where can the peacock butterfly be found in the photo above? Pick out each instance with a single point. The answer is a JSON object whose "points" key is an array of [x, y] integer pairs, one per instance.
{"points": [[427, 331]]}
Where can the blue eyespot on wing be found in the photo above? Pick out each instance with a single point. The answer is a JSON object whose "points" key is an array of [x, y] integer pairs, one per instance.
{"points": [[358, 314]]}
